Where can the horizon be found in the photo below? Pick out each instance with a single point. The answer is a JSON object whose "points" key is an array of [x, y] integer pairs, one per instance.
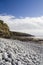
{"points": [[23, 15]]}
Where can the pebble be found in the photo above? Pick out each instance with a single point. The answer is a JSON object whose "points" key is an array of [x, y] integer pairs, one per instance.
{"points": [[5, 56], [8, 63], [0, 56], [11, 55]]}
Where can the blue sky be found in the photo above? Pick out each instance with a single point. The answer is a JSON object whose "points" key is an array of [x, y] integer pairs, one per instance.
{"points": [[25, 8], [23, 15]]}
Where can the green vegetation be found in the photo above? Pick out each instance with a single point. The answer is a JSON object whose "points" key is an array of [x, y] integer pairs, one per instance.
{"points": [[21, 36], [6, 33], [4, 29]]}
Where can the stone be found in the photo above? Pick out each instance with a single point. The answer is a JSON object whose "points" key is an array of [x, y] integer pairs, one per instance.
{"points": [[8, 60], [2, 62], [2, 45], [0, 56], [13, 63], [8, 63], [19, 63], [11, 55], [5, 56]]}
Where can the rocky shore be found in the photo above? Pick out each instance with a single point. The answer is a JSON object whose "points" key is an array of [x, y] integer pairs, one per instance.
{"points": [[14, 52]]}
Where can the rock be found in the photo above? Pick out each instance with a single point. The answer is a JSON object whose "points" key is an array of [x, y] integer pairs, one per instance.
{"points": [[2, 50], [37, 62], [19, 63], [0, 56], [17, 53], [13, 63], [16, 63], [11, 55], [9, 59], [2, 62], [2, 45], [8, 63], [5, 55]]}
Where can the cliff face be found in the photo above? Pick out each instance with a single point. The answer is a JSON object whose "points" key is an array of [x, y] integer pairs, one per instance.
{"points": [[6, 33], [4, 29]]}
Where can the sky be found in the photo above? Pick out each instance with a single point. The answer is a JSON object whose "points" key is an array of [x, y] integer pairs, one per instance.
{"points": [[23, 15], [25, 8]]}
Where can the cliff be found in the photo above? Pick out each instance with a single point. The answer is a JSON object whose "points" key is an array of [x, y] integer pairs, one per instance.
{"points": [[4, 29], [6, 33]]}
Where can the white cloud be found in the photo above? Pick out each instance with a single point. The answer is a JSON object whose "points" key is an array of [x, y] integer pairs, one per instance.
{"points": [[33, 25]]}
